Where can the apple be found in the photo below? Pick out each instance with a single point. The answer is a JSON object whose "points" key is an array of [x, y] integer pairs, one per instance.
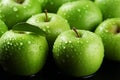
{"points": [[53, 5], [82, 14], [109, 30], [15, 11], [78, 53], [109, 8], [23, 53], [43, 3], [3, 28], [51, 23]]}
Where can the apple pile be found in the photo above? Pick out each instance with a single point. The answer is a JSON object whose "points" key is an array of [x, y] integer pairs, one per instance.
{"points": [[79, 33]]}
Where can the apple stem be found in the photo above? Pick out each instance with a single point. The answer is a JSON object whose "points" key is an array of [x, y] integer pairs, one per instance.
{"points": [[75, 30], [46, 19]]}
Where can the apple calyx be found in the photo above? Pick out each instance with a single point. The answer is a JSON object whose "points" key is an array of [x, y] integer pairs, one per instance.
{"points": [[19, 1], [46, 16], [75, 30]]}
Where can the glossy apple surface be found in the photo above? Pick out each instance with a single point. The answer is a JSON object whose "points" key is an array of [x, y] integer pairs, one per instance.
{"points": [[14, 11], [53, 26], [3, 28], [109, 30], [22, 53], [78, 56], [109, 8], [82, 14]]}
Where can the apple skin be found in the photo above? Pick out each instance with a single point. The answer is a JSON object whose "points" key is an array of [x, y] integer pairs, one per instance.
{"points": [[3, 28], [109, 32], [83, 14], [23, 53], [12, 12], [55, 25], [78, 56], [53, 5], [109, 8]]}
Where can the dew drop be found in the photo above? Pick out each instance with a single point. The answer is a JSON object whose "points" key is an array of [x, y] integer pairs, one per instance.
{"points": [[87, 6], [29, 42], [87, 41], [17, 15], [64, 47], [67, 56], [70, 41], [21, 44], [15, 9], [78, 10], [48, 26], [78, 41], [8, 42], [66, 42], [51, 3]]}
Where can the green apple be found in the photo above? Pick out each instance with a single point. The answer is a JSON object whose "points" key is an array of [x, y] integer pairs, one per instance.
{"points": [[109, 8], [78, 53], [51, 23], [43, 3], [81, 14], [53, 5], [14, 11], [23, 53], [3, 28], [109, 30]]}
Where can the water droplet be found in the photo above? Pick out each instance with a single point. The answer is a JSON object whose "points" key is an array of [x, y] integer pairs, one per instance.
{"points": [[24, 7], [66, 42], [87, 41], [15, 9], [67, 56], [21, 44], [17, 15], [8, 42], [70, 41], [51, 3], [44, 29], [78, 41], [48, 26], [78, 10], [64, 47], [106, 31], [29, 42], [87, 6], [64, 14]]}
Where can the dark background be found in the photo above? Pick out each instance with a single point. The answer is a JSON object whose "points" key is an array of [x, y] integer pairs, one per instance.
{"points": [[109, 70]]}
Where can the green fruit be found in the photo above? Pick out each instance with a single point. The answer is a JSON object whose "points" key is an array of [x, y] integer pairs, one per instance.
{"points": [[53, 5], [109, 8], [109, 30], [3, 28], [14, 11], [22, 53], [53, 26], [81, 14], [78, 54]]}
